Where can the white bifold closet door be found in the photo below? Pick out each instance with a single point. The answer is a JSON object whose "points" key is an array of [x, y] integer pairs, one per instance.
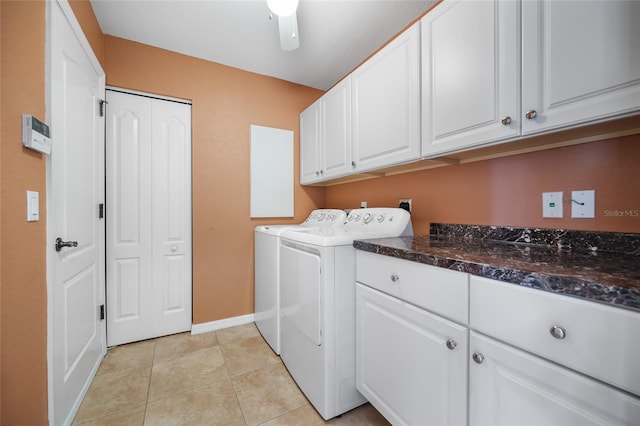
{"points": [[148, 175]]}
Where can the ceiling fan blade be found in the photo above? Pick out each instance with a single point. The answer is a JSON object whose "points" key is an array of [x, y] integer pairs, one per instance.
{"points": [[289, 37]]}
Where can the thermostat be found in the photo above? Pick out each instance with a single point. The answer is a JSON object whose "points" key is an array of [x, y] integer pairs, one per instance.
{"points": [[35, 134]]}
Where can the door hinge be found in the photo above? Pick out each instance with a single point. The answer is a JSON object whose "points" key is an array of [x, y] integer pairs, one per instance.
{"points": [[101, 312], [102, 104], [101, 211]]}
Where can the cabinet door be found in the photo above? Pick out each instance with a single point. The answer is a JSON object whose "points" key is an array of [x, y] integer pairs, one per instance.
{"points": [[511, 387], [386, 104], [403, 364], [336, 135], [470, 92], [581, 61], [310, 144]]}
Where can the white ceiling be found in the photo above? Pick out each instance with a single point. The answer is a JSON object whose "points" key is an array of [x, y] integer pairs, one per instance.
{"points": [[335, 35]]}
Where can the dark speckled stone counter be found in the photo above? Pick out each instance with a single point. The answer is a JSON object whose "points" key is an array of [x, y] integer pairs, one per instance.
{"points": [[578, 270]]}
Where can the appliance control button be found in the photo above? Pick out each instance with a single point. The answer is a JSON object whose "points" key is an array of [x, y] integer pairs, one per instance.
{"points": [[380, 218], [357, 217], [367, 217]]}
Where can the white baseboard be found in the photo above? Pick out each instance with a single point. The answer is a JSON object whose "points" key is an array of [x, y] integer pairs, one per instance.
{"points": [[220, 324]]}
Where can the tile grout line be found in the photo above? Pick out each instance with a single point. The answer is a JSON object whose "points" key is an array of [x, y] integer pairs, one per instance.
{"points": [[233, 385], [146, 401]]}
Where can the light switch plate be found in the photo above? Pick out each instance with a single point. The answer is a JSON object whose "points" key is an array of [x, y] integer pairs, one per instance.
{"points": [[33, 206], [552, 204], [583, 204]]}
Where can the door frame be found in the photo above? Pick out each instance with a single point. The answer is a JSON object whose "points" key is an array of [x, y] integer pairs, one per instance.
{"points": [[68, 13]]}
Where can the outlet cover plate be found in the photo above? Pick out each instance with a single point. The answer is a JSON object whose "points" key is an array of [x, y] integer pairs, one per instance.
{"points": [[583, 204], [552, 204]]}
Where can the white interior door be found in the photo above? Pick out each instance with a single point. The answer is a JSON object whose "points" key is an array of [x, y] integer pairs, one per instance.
{"points": [[148, 217], [76, 188]]}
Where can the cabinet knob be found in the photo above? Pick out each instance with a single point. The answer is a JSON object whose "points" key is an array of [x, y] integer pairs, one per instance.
{"points": [[317, 173], [394, 277], [451, 344], [477, 357], [558, 332], [321, 172], [506, 120], [353, 164], [531, 114]]}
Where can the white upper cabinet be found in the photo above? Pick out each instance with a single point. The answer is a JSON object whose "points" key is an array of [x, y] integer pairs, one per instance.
{"points": [[325, 142], [336, 116], [310, 144], [470, 76], [581, 62], [386, 105]]}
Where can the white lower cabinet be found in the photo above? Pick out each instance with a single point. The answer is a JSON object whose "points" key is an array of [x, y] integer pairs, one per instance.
{"points": [[442, 347], [410, 364], [508, 386]]}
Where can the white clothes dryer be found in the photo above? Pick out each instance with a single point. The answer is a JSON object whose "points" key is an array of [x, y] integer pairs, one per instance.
{"points": [[266, 269], [317, 306]]}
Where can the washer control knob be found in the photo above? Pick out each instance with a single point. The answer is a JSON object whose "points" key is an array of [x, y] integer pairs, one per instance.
{"points": [[356, 217], [320, 217], [367, 218], [380, 218]]}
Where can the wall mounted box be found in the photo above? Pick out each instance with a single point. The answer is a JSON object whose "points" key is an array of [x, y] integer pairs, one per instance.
{"points": [[35, 134]]}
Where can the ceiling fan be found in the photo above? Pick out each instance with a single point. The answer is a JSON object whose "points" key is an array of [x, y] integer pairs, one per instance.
{"points": [[287, 22]]}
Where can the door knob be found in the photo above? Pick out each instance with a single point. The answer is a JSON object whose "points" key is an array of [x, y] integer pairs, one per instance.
{"points": [[60, 244]]}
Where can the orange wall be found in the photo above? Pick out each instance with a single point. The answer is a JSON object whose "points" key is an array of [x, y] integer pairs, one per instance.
{"points": [[508, 191], [89, 24], [23, 308], [226, 101]]}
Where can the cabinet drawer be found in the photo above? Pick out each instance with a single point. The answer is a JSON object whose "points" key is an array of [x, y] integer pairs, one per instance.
{"points": [[438, 290], [598, 340]]}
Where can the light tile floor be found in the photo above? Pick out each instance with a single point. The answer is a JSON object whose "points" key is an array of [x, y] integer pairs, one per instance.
{"points": [[225, 377]]}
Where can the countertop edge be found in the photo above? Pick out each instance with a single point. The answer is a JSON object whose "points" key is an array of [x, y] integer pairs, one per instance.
{"points": [[622, 297]]}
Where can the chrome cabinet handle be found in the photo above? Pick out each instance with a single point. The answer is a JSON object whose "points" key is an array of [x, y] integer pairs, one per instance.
{"points": [[558, 332], [394, 277], [506, 120], [531, 114], [478, 357], [60, 244], [451, 344]]}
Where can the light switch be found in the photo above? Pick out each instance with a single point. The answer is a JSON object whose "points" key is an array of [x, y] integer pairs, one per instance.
{"points": [[552, 204], [33, 206]]}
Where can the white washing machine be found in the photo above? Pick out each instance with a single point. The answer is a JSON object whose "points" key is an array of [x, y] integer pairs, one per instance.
{"points": [[266, 271], [317, 305]]}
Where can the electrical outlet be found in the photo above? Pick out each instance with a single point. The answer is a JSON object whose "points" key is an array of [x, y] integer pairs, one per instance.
{"points": [[363, 204], [552, 204], [405, 202]]}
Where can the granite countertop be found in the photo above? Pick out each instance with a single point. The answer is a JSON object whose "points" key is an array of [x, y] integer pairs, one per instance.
{"points": [[603, 276]]}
